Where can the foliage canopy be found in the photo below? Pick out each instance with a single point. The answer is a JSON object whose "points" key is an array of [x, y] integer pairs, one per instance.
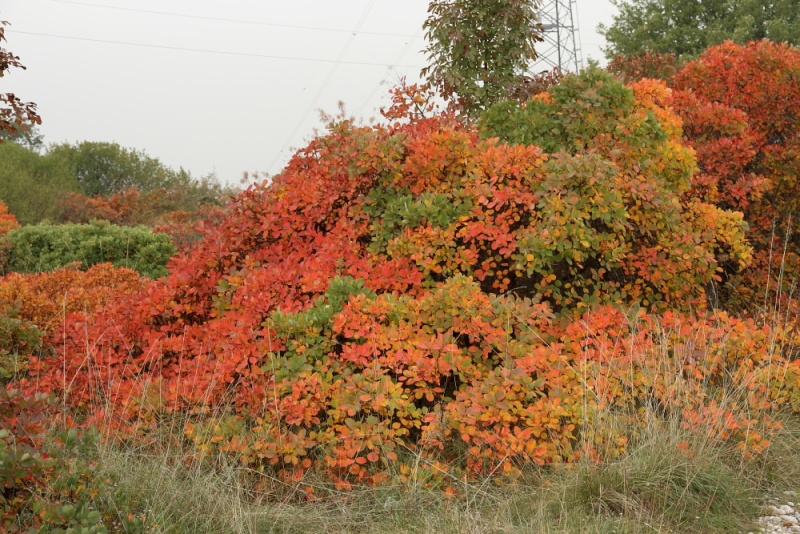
{"points": [[106, 168], [739, 107], [688, 27], [476, 48], [45, 247]]}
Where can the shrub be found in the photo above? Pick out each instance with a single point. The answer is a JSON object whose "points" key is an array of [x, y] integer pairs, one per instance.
{"points": [[132, 207], [417, 291], [50, 480], [7, 220], [18, 339], [54, 483], [45, 247], [637, 240], [43, 299], [740, 107], [22, 464]]}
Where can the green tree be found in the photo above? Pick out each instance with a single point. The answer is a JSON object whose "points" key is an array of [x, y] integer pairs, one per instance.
{"points": [[106, 168], [476, 48], [687, 27], [777, 21], [32, 184]]}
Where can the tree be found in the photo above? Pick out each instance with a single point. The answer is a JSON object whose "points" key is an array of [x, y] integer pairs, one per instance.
{"points": [[776, 20], [106, 168], [32, 184], [476, 47], [14, 113], [687, 27]]}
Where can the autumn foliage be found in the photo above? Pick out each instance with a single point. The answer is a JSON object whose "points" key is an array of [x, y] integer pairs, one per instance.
{"points": [[739, 108], [7, 220], [32, 310], [760, 82], [481, 299], [639, 236], [43, 299]]}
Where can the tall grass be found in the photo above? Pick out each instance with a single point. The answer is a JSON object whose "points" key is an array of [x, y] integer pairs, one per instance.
{"points": [[657, 486]]}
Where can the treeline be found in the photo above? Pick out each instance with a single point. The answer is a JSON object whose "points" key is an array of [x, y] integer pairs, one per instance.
{"points": [[74, 202], [77, 182]]}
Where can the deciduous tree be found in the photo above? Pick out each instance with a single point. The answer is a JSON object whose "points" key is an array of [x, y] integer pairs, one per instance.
{"points": [[14, 113], [477, 47], [103, 168], [688, 27]]}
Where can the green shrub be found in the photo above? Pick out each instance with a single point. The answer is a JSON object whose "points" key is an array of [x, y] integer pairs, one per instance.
{"points": [[45, 247], [52, 482]]}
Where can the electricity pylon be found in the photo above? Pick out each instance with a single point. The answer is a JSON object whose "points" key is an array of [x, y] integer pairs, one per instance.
{"points": [[561, 47]]}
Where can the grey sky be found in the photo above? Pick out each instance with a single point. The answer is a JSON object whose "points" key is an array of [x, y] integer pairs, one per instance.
{"points": [[209, 94]]}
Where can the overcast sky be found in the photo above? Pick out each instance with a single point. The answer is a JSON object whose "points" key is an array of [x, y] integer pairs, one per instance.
{"points": [[218, 86]]}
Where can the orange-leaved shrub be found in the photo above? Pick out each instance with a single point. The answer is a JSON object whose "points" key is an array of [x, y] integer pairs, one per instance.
{"points": [[7, 223], [423, 290], [742, 102], [637, 236], [42, 480], [44, 299], [7, 220], [738, 105]]}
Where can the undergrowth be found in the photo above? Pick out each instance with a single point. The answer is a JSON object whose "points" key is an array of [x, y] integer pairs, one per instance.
{"points": [[670, 480]]}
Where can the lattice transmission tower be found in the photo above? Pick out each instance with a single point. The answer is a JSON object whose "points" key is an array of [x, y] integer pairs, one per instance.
{"points": [[561, 47]]}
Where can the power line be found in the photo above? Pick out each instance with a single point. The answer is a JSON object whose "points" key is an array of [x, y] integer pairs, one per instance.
{"points": [[234, 21], [321, 89], [206, 51]]}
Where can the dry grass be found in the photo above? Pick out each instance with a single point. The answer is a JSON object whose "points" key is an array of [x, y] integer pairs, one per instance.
{"points": [[654, 487]]}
